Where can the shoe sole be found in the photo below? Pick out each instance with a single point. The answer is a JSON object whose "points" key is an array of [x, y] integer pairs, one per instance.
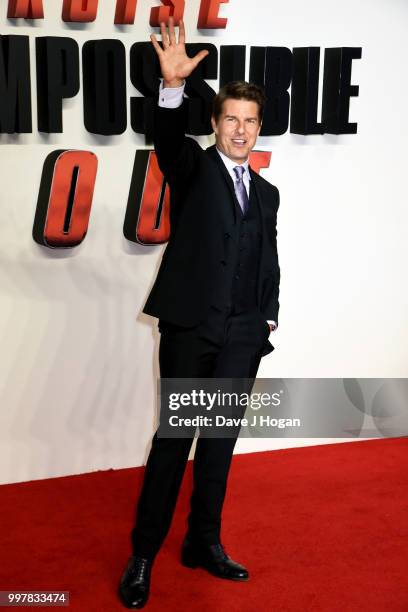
{"points": [[194, 565]]}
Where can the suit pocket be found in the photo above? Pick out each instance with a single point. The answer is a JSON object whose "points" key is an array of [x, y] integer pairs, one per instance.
{"points": [[263, 322]]}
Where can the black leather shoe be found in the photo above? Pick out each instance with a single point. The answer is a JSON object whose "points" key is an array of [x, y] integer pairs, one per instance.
{"points": [[214, 559], [135, 583]]}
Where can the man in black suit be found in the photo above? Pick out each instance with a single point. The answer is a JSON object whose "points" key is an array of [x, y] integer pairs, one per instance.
{"points": [[216, 297]]}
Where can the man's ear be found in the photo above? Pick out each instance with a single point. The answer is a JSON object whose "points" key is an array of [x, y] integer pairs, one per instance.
{"points": [[214, 124]]}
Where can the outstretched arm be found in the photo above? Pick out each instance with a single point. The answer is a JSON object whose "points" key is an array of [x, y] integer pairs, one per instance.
{"points": [[176, 153]]}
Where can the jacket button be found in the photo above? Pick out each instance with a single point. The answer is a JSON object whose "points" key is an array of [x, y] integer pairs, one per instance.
{"points": [[226, 235]]}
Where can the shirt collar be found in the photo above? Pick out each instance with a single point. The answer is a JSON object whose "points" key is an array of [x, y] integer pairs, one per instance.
{"points": [[230, 165]]}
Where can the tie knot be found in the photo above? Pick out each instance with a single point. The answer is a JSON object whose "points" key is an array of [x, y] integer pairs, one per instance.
{"points": [[239, 172]]}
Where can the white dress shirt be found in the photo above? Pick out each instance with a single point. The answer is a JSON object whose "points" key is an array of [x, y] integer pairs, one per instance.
{"points": [[172, 97], [230, 165]]}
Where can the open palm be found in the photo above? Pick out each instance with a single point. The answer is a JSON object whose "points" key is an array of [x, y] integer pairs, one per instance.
{"points": [[174, 62]]}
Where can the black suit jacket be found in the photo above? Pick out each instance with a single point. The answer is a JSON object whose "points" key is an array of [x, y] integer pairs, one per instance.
{"points": [[204, 226]]}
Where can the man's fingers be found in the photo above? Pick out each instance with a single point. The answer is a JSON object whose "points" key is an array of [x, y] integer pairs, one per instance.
{"points": [[172, 33], [182, 32], [164, 35], [156, 45], [200, 56]]}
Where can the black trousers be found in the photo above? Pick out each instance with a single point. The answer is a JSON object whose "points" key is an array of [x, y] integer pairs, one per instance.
{"points": [[226, 345]]}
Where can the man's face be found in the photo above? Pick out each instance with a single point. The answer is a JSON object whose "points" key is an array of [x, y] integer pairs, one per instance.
{"points": [[237, 128]]}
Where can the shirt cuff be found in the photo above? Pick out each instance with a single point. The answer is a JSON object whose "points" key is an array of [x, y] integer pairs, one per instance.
{"points": [[170, 97], [274, 324]]}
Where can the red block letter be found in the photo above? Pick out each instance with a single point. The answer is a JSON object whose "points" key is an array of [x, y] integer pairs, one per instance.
{"points": [[259, 159], [172, 8], [28, 9], [79, 10], [125, 11], [147, 219], [65, 198], [208, 16]]}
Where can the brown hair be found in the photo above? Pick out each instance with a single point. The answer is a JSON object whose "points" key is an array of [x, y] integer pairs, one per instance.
{"points": [[239, 90]]}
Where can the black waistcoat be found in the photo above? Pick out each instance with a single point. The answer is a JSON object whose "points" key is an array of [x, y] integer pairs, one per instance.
{"points": [[241, 269]]}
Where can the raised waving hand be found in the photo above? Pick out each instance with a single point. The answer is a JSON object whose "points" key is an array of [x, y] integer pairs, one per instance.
{"points": [[174, 62]]}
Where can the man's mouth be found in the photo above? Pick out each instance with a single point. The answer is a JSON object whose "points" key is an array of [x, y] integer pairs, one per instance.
{"points": [[239, 142]]}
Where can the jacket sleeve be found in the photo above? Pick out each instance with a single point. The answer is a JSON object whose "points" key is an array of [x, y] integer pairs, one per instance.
{"points": [[176, 153]]}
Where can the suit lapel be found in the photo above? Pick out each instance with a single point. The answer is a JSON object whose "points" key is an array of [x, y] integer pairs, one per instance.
{"points": [[212, 152], [258, 192], [255, 183]]}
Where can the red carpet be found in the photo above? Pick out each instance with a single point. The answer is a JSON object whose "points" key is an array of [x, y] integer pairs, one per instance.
{"points": [[322, 528]]}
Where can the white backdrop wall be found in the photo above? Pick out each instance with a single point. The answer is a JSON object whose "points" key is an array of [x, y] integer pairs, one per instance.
{"points": [[79, 361]]}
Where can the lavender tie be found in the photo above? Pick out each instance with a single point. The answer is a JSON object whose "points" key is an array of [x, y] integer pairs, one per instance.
{"points": [[240, 189]]}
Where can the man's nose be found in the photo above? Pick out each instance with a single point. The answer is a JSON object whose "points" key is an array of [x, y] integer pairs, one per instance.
{"points": [[241, 127]]}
